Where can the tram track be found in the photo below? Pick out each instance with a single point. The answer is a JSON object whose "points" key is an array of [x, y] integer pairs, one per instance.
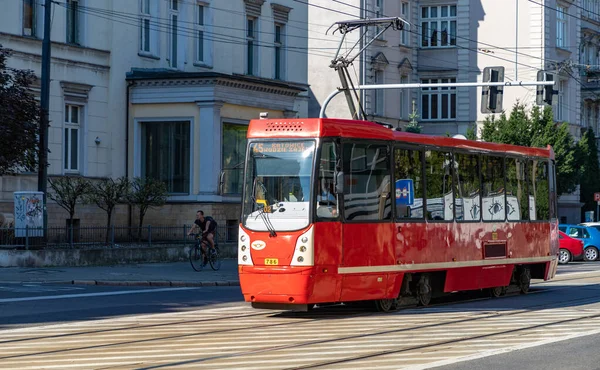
{"points": [[309, 318], [292, 320], [440, 343]]}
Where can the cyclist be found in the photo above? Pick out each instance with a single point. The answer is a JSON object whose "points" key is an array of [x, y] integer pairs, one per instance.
{"points": [[208, 226]]}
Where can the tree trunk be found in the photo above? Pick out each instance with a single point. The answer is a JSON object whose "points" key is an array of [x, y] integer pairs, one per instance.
{"points": [[141, 224], [108, 222]]}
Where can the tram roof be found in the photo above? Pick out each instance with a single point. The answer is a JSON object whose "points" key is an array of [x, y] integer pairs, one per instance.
{"points": [[345, 128]]}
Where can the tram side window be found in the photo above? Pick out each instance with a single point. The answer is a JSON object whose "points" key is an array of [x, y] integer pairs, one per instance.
{"points": [[409, 184], [467, 187], [539, 190], [440, 199], [492, 173], [367, 184], [327, 200], [516, 189]]}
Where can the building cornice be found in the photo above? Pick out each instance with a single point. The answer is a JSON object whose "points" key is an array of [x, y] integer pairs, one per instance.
{"points": [[255, 84]]}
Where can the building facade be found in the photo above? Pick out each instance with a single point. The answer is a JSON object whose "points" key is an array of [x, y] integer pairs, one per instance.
{"points": [[160, 88]]}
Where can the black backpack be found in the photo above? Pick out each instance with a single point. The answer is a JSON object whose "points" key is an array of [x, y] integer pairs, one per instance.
{"points": [[213, 223]]}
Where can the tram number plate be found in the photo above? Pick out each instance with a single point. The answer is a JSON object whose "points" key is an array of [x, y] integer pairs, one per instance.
{"points": [[271, 261]]}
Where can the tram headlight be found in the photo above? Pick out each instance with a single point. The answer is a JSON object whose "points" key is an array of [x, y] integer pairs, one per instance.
{"points": [[304, 251], [244, 254]]}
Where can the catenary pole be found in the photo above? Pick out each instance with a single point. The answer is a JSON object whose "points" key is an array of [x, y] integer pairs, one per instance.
{"points": [[45, 105]]}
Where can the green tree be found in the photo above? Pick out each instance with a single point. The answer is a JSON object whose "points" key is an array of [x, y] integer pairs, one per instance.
{"points": [[146, 193], [413, 125], [68, 191], [589, 170], [19, 119], [107, 194], [538, 129], [471, 132]]}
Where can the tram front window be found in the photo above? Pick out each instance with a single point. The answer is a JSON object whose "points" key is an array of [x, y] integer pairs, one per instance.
{"points": [[277, 185]]}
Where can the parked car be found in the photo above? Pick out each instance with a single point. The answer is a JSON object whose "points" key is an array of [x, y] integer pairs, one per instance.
{"points": [[571, 249], [595, 225], [589, 235]]}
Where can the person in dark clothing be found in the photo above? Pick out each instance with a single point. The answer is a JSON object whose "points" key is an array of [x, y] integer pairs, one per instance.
{"points": [[207, 225]]}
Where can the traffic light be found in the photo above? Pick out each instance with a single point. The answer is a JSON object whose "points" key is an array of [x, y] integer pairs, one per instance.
{"points": [[491, 96], [545, 93]]}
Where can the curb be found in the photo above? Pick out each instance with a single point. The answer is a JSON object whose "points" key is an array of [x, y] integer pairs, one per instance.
{"points": [[162, 283]]}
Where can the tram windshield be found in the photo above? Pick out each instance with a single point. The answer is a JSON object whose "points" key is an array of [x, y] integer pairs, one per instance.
{"points": [[278, 185]]}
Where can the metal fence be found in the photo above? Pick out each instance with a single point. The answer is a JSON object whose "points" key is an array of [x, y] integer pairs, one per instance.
{"points": [[103, 237]]}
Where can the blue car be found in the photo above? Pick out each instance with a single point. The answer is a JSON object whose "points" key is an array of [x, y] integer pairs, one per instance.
{"points": [[590, 237]]}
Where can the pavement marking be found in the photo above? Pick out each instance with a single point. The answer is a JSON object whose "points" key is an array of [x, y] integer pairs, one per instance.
{"points": [[69, 296], [502, 351]]}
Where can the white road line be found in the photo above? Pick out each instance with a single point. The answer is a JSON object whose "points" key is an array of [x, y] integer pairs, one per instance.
{"points": [[83, 295]]}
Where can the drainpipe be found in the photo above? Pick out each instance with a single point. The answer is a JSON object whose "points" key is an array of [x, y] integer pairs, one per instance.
{"points": [[129, 208]]}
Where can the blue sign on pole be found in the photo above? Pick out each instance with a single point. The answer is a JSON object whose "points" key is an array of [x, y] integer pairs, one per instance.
{"points": [[405, 193]]}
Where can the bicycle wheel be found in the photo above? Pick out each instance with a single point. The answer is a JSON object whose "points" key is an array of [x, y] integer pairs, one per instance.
{"points": [[196, 258], [215, 258]]}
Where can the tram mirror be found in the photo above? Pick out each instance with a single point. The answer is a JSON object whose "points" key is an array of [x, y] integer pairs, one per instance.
{"points": [[339, 182]]}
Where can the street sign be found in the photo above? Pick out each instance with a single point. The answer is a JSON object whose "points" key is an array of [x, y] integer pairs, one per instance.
{"points": [[596, 197]]}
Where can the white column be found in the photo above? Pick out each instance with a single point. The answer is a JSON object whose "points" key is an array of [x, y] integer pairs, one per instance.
{"points": [[209, 142]]}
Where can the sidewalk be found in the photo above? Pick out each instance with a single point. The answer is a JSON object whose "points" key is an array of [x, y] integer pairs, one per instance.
{"points": [[148, 274]]}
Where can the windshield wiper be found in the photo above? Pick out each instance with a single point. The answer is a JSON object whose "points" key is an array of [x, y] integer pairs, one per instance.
{"points": [[261, 211], [265, 218]]}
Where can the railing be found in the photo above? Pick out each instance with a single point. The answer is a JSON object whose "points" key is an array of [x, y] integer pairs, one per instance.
{"points": [[103, 237]]}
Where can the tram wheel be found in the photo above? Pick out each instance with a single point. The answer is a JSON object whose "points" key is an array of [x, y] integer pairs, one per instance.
{"points": [[498, 291], [424, 291], [385, 305], [524, 280]]}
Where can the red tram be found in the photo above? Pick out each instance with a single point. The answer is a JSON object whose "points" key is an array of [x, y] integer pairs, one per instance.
{"points": [[342, 211]]}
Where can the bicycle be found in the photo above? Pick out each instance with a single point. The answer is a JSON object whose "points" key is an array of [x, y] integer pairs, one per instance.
{"points": [[198, 256]]}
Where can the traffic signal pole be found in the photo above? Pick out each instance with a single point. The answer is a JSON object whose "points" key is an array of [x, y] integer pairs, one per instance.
{"points": [[420, 86]]}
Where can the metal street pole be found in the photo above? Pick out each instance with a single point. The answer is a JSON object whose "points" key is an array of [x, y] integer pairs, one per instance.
{"points": [[45, 105]]}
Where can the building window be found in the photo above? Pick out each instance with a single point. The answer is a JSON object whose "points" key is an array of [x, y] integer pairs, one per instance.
{"points": [[379, 94], [145, 26], [173, 30], [561, 26], [379, 14], [279, 51], [29, 18], [438, 26], [71, 137], [438, 103], [166, 154], [560, 104], [73, 22], [404, 10], [404, 94], [200, 30], [252, 47], [234, 154]]}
